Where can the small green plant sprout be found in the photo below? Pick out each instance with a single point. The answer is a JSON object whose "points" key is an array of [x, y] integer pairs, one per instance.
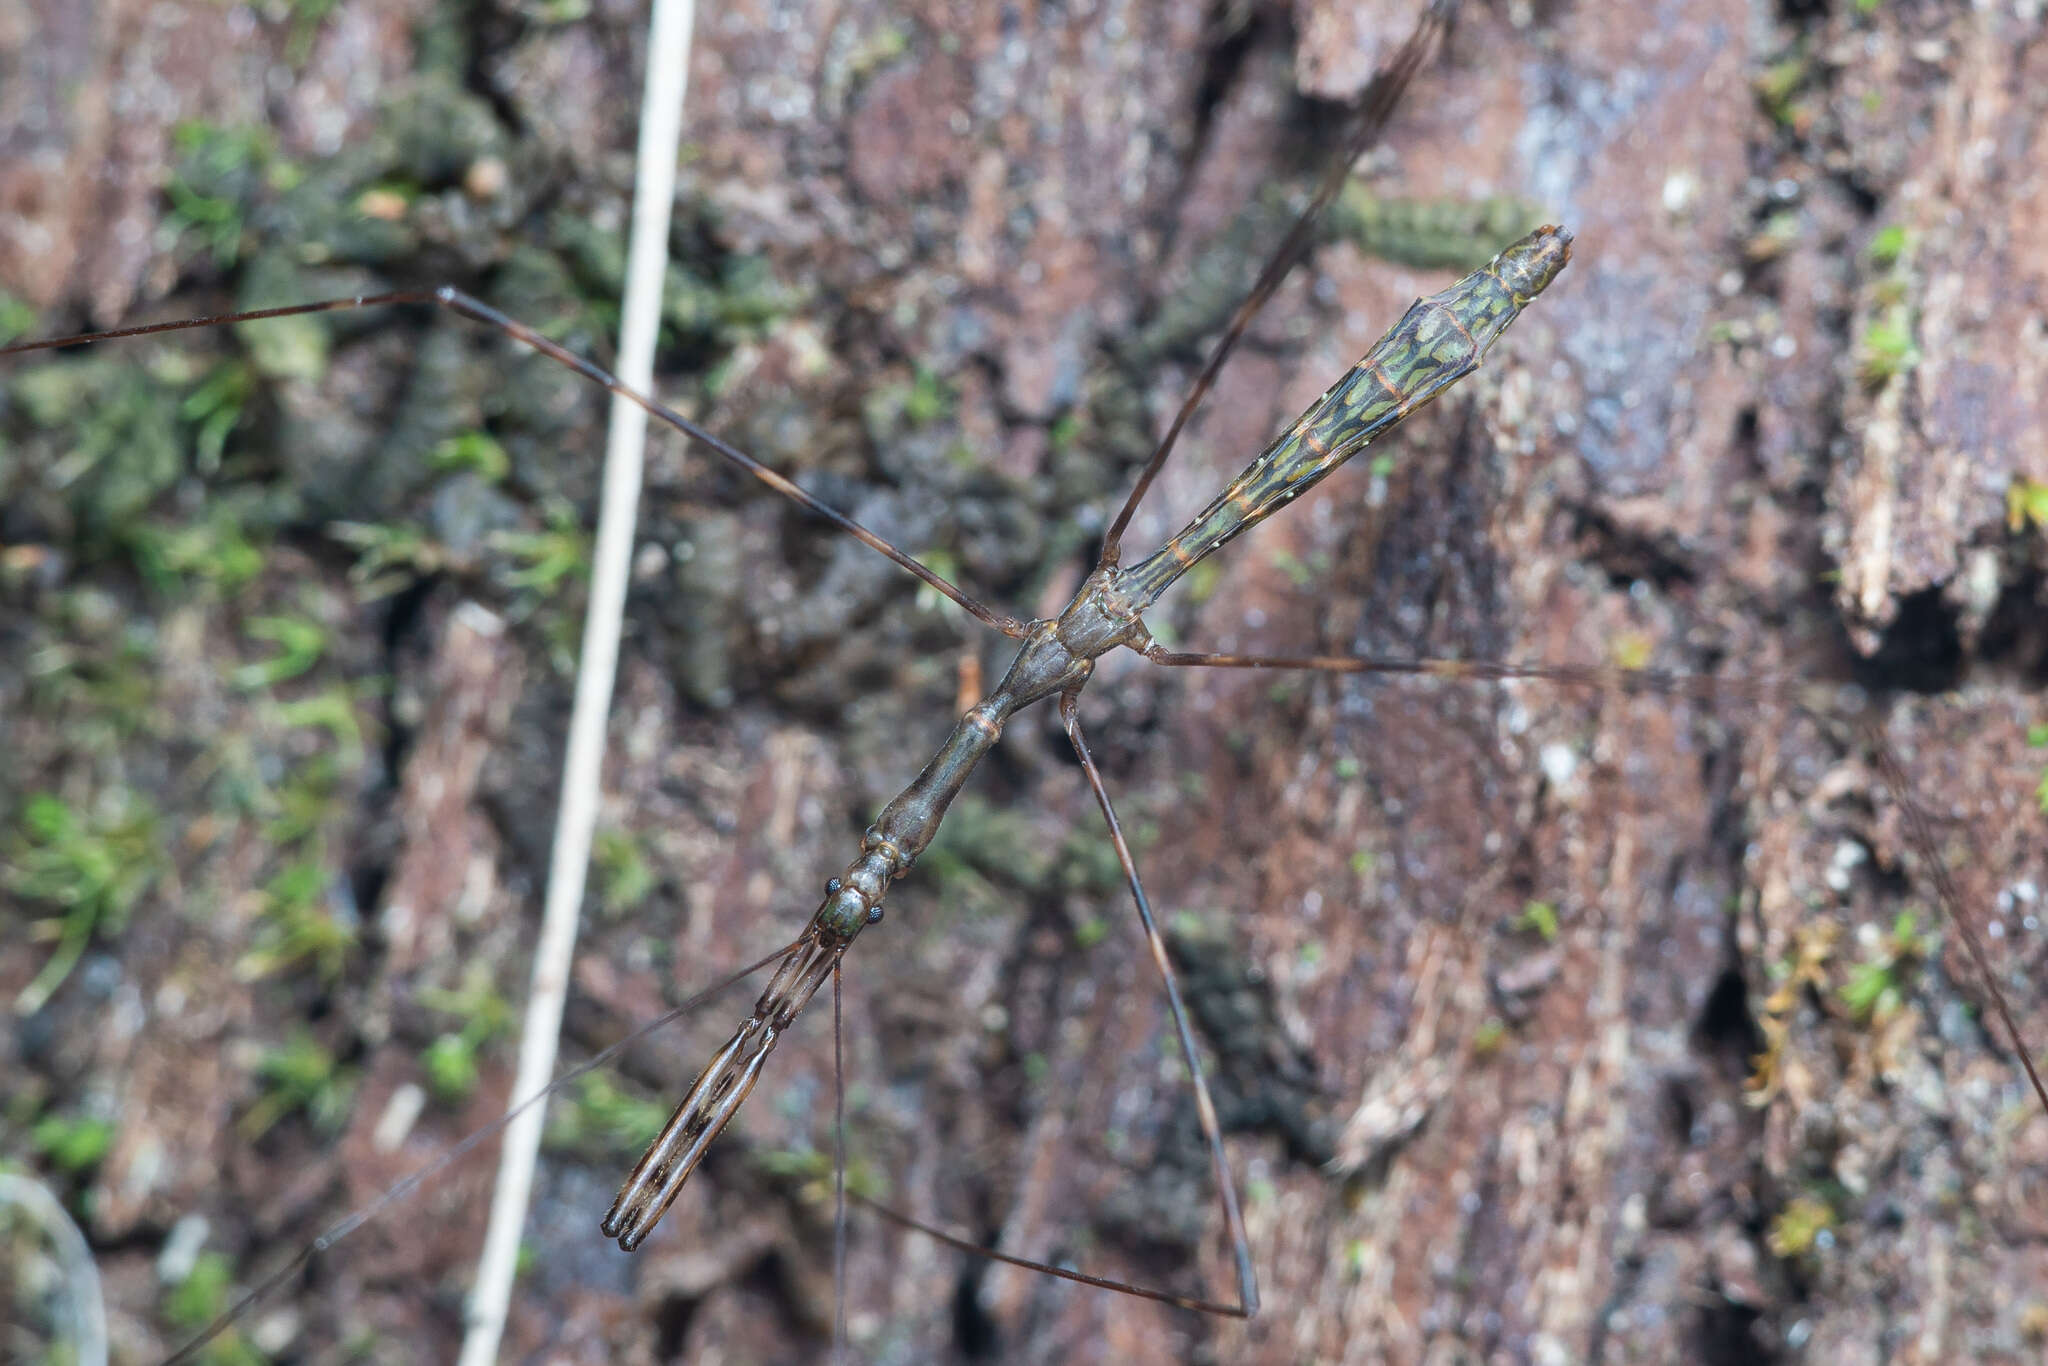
{"points": [[93, 867], [304, 803], [1802, 970], [17, 319], [215, 407], [947, 565], [389, 558], [299, 926], [1778, 88], [2026, 505], [1805, 1225], [1541, 918], [1487, 1039], [72, 1143], [1888, 247], [201, 1296], [1630, 650], [1298, 573], [214, 551], [300, 641], [333, 710], [2037, 737], [477, 453], [625, 878], [450, 1060], [1873, 992], [300, 1075], [208, 188], [544, 560], [928, 399], [1886, 350], [811, 1170], [601, 1118]]}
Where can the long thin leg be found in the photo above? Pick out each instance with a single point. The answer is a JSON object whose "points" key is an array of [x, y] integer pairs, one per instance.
{"points": [[1665, 682], [838, 1170], [403, 1189], [1705, 687], [1233, 1219], [1375, 108], [1920, 831], [456, 301], [1247, 1279]]}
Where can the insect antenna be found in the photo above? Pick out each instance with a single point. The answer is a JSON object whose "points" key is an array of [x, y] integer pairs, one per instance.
{"points": [[464, 305], [402, 1189]]}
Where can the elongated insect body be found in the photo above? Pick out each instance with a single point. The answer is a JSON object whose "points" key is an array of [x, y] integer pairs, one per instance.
{"points": [[1438, 341]]}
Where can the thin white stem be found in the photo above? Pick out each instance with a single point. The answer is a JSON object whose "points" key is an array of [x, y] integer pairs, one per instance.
{"points": [[661, 116], [80, 1275]]}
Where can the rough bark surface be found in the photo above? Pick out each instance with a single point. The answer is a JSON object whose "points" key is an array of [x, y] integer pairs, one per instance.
{"points": [[949, 265]]}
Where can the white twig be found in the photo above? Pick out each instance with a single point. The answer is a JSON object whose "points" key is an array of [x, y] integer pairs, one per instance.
{"points": [[661, 113], [81, 1275]]}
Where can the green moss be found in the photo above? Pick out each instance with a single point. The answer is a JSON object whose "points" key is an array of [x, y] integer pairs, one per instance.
{"points": [[544, 561], [477, 452], [1887, 247], [2037, 736], [1875, 992], [300, 1076], [214, 552], [450, 1061], [332, 709], [1777, 86], [983, 851], [72, 1143], [94, 866], [1886, 349], [811, 1171], [598, 1118], [625, 878], [195, 1302], [1797, 1229], [1540, 917], [17, 319], [119, 441], [2026, 505], [299, 924], [389, 558], [300, 641]]}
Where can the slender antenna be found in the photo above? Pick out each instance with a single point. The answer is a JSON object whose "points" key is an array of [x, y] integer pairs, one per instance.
{"points": [[401, 1190]]}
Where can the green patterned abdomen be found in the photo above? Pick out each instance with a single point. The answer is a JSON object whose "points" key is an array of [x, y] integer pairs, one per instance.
{"points": [[1438, 341]]}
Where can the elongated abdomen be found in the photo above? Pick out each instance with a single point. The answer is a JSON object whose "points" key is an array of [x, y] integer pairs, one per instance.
{"points": [[1437, 342]]}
